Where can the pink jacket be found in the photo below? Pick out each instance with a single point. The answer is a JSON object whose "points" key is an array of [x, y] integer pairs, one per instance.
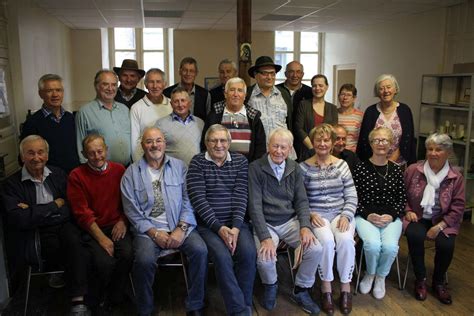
{"points": [[451, 195]]}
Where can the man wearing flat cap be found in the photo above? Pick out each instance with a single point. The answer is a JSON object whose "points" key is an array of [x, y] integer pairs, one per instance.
{"points": [[129, 75], [272, 101]]}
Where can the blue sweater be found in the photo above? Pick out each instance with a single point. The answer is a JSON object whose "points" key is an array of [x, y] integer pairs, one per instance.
{"points": [[218, 194]]}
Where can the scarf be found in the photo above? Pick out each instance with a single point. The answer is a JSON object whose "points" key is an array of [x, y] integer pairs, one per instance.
{"points": [[433, 182]]}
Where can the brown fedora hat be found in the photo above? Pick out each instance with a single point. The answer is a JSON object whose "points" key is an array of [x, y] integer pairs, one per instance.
{"points": [[261, 62], [129, 64]]}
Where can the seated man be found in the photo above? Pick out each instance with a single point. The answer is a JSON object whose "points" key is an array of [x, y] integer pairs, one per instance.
{"points": [[35, 201], [157, 205], [339, 150], [217, 187], [93, 190], [279, 209]]}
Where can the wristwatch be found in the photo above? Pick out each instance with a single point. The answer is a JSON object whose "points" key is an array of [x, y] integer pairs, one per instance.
{"points": [[184, 227]]}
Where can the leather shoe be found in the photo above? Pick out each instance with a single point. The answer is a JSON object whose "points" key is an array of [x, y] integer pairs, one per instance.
{"points": [[420, 290], [442, 294], [327, 303], [345, 303]]}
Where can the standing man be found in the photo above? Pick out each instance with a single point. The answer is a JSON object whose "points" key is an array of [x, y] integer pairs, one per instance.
{"points": [[200, 97], [94, 193], [227, 69], [339, 150], [182, 130], [294, 73], [129, 76], [106, 117], [163, 220], [145, 112], [54, 124], [279, 209], [217, 187]]}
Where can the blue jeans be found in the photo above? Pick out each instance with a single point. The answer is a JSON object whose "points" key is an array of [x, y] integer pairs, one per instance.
{"points": [[235, 274], [145, 264], [380, 244]]}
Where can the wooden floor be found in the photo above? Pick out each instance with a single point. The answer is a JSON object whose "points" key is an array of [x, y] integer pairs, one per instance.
{"points": [[170, 291]]}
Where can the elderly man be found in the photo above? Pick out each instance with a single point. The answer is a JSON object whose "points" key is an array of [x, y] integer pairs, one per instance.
{"points": [[279, 210], [156, 203], [227, 69], [243, 123], [145, 112], [182, 130], [106, 117], [35, 203], [339, 150], [129, 76], [217, 187], [200, 97], [54, 124], [94, 193], [294, 73]]}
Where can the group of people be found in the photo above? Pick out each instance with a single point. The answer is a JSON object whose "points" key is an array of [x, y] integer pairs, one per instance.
{"points": [[224, 176]]}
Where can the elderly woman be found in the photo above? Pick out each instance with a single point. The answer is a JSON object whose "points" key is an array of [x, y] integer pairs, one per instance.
{"points": [[332, 200], [311, 113], [434, 211], [392, 114], [348, 116], [382, 199]]}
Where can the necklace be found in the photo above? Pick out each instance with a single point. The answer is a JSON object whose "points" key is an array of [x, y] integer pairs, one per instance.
{"points": [[383, 176]]}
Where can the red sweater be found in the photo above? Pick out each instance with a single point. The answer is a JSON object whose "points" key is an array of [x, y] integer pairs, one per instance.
{"points": [[95, 196]]}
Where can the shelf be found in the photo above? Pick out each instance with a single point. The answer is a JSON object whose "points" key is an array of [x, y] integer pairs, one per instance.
{"points": [[455, 141], [447, 106], [449, 75]]}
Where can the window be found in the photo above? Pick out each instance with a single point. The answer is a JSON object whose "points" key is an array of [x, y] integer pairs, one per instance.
{"points": [[301, 46]]}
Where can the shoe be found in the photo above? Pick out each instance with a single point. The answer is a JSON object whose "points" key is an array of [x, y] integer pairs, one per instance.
{"points": [[79, 310], [327, 303], [56, 281], [379, 287], [345, 303], [366, 284], [269, 296], [442, 294], [304, 300], [420, 289]]}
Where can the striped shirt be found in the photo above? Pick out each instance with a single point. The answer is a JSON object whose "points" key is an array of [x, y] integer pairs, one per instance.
{"points": [[331, 190], [352, 124], [218, 194], [239, 128]]}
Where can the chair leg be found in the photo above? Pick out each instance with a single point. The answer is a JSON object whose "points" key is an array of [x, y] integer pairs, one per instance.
{"points": [[185, 273], [406, 273], [290, 263], [27, 290], [359, 270], [398, 274]]}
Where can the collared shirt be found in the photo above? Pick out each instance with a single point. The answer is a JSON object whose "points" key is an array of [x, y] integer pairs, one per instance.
{"points": [[239, 128], [209, 158], [43, 193], [278, 170], [101, 169], [189, 119], [127, 97], [47, 112]]}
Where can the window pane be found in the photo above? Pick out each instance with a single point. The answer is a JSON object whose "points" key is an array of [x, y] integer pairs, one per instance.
{"points": [[152, 38], [124, 38], [310, 63], [120, 56], [284, 41], [282, 59], [154, 60], [309, 41]]}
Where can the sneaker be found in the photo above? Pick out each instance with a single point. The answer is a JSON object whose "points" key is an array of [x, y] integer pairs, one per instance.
{"points": [[379, 287], [269, 296], [56, 281], [79, 310], [304, 300], [366, 284]]}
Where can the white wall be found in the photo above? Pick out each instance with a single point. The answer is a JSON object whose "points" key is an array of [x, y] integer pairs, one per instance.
{"points": [[407, 48]]}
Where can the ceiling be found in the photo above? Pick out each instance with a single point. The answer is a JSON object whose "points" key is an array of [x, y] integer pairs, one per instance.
{"points": [[267, 15]]}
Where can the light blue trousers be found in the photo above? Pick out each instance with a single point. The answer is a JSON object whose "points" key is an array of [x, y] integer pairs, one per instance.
{"points": [[380, 245]]}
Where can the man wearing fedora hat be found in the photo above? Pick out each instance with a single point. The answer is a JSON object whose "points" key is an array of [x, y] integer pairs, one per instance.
{"points": [[129, 75]]}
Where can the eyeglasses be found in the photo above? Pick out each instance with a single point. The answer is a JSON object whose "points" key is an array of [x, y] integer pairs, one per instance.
{"points": [[215, 141], [267, 73], [348, 95], [380, 141]]}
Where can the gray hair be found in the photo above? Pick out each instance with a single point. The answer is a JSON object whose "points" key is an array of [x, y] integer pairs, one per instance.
{"points": [[100, 73], [381, 129], [149, 128], [442, 140], [294, 62], [179, 89], [235, 80], [48, 77], [32, 138], [217, 128], [227, 62], [382, 78], [283, 132], [155, 71]]}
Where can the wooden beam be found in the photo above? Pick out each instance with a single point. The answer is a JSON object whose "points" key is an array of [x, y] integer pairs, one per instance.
{"points": [[244, 38]]}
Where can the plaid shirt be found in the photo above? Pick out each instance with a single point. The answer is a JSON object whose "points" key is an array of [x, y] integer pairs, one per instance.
{"points": [[49, 113]]}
